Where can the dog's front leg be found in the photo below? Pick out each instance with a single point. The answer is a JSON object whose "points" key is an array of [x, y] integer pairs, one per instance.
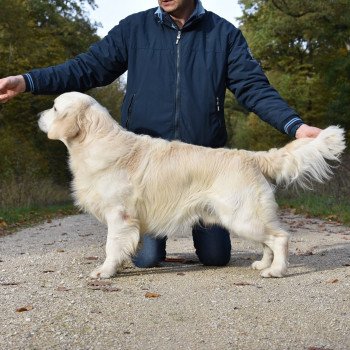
{"points": [[122, 240]]}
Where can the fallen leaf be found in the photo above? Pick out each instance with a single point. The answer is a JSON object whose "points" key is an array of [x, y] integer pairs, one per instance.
{"points": [[95, 311], [62, 289], [3, 223], [243, 284], [307, 253], [91, 257], [48, 271], [332, 217], [9, 283], [25, 308], [60, 250], [180, 260], [97, 283], [110, 289], [150, 295], [104, 286], [335, 280], [175, 260]]}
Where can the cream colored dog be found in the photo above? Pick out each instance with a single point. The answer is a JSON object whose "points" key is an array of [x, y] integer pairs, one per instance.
{"points": [[137, 184]]}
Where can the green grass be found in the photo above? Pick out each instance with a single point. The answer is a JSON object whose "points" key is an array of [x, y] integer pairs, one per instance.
{"points": [[13, 219], [312, 204], [317, 205]]}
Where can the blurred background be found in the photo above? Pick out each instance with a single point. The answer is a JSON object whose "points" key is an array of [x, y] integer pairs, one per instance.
{"points": [[303, 47]]}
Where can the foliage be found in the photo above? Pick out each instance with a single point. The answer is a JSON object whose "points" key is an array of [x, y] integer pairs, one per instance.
{"points": [[314, 204], [12, 219], [330, 200], [33, 34], [304, 47], [49, 32]]}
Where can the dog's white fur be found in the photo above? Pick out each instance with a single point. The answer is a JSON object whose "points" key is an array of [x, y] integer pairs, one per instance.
{"points": [[136, 184]]}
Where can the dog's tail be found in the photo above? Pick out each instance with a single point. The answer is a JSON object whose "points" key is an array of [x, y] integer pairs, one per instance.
{"points": [[304, 160]]}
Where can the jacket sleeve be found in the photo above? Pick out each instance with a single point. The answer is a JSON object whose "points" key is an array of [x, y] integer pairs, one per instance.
{"points": [[252, 89], [105, 61]]}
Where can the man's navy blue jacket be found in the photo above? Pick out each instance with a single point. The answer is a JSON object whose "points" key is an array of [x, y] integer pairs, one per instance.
{"points": [[176, 80]]}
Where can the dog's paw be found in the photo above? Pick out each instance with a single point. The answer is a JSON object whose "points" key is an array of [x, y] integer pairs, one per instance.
{"points": [[273, 272], [260, 265], [103, 272]]}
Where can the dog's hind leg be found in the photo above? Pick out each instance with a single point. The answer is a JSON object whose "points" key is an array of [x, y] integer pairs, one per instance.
{"points": [[273, 238], [266, 260], [277, 241], [122, 241]]}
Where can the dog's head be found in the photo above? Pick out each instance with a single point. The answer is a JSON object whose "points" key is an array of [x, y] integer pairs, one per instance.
{"points": [[69, 117]]}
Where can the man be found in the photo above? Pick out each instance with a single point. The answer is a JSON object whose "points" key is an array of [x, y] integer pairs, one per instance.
{"points": [[180, 60]]}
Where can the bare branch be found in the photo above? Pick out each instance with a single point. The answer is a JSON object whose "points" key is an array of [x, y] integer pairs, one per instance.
{"points": [[286, 10]]}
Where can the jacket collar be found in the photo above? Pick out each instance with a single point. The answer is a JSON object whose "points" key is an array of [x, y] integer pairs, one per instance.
{"points": [[165, 18]]}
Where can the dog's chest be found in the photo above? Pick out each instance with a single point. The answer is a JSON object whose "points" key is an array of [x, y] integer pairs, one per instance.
{"points": [[98, 191]]}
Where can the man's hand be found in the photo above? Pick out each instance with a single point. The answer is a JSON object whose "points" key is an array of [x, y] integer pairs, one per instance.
{"points": [[11, 87], [307, 131]]}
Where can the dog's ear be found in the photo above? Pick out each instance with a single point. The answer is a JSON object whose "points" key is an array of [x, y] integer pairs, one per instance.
{"points": [[71, 126], [64, 128]]}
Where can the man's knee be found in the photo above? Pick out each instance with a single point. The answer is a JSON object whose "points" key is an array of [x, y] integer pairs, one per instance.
{"points": [[146, 261], [213, 245], [151, 252], [208, 259]]}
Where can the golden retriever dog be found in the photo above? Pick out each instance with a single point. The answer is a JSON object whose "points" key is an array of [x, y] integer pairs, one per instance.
{"points": [[137, 184]]}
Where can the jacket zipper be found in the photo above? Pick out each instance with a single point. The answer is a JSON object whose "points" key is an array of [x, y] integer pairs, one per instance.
{"points": [[177, 94]]}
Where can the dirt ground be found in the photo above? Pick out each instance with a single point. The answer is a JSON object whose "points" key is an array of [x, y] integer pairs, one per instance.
{"points": [[49, 302]]}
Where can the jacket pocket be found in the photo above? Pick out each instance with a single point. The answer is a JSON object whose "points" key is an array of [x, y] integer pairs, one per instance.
{"points": [[129, 112], [218, 105], [219, 110]]}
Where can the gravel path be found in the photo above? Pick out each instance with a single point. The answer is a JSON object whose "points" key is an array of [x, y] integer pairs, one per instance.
{"points": [[48, 302]]}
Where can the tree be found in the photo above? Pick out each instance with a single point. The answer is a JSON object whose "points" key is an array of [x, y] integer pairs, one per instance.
{"points": [[50, 32], [303, 46]]}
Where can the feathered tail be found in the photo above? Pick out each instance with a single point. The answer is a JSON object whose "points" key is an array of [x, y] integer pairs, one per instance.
{"points": [[304, 160]]}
